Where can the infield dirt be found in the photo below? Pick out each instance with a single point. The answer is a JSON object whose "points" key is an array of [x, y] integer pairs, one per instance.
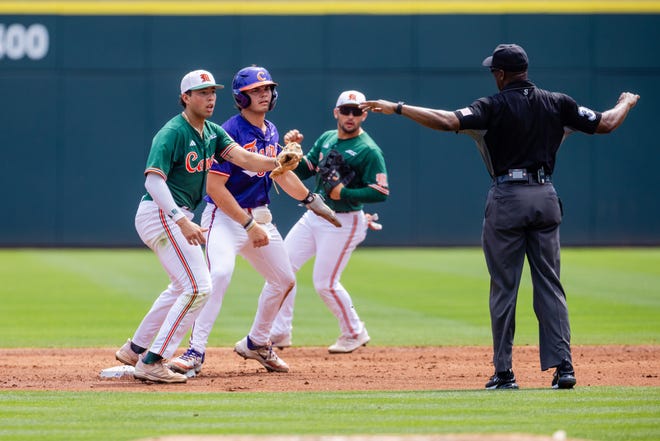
{"points": [[314, 369]]}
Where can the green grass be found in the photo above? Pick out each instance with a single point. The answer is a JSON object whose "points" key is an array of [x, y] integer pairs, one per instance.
{"points": [[89, 298], [589, 413], [407, 297]]}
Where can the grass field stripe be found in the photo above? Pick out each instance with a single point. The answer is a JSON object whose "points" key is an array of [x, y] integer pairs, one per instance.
{"points": [[328, 7], [336, 269]]}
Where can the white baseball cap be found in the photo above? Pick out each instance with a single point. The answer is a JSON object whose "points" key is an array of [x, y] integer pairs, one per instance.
{"points": [[350, 98], [198, 79]]}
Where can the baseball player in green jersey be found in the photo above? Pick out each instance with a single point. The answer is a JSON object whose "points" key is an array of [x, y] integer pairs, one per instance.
{"points": [[180, 156], [350, 171]]}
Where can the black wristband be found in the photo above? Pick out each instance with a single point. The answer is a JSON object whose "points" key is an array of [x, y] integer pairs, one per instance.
{"points": [[309, 198], [399, 106], [248, 222]]}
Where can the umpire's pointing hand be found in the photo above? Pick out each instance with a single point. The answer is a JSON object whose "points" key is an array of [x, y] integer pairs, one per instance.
{"points": [[379, 106]]}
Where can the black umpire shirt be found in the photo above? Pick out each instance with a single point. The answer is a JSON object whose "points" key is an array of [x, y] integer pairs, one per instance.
{"points": [[523, 126]]}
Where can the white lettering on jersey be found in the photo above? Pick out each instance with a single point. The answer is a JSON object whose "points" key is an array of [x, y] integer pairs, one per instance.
{"points": [[351, 152], [192, 144], [590, 114]]}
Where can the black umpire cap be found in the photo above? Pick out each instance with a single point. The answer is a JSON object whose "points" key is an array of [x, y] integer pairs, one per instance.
{"points": [[508, 57]]}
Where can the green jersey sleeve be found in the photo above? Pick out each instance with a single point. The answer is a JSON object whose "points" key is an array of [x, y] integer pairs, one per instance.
{"points": [[163, 153]]}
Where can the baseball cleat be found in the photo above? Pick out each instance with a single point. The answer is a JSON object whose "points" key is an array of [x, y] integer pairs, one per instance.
{"points": [[157, 372], [346, 344], [502, 380], [263, 354], [126, 355], [189, 363], [564, 377]]}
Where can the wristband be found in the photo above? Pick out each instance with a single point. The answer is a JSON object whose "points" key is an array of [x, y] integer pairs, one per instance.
{"points": [[246, 224], [250, 225], [308, 199], [399, 106], [177, 214]]}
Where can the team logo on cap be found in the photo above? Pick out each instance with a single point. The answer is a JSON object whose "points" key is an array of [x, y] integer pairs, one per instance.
{"points": [[261, 76], [205, 77], [352, 97]]}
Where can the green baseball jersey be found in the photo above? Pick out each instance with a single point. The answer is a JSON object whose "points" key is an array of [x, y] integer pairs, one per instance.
{"points": [[363, 156], [183, 157]]}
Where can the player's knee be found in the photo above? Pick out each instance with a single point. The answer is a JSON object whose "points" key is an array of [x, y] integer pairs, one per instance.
{"points": [[221, 276], [289, 287], [284, 284], [195, 299], [201, 297], [204, 285], [323, 287]]}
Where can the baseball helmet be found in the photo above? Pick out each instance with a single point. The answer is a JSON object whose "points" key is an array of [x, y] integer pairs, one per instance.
{"points": [[250, 78]]}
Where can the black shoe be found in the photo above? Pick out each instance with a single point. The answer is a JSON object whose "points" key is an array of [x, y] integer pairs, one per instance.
{"points": [[502, 380], [564, 377]]}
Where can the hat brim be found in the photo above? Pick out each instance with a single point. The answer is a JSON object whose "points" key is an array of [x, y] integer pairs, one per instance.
{"points": [[258, 84], [204, 86], [488, 61]]}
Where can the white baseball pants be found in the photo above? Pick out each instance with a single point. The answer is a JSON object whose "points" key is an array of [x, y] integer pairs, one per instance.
{"points": [[227, 239], [332, 246], [176, 308]]}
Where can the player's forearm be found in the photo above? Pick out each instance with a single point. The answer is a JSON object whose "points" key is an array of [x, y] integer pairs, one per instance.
{"points": [[251, 161], [160, 193], [225, 201], [364, 194], [292, 185]]}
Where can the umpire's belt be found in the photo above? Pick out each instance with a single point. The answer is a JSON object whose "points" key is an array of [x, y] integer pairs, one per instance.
{"points": [[523, 176]]}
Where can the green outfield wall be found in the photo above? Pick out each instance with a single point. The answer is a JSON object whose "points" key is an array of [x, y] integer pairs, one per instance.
{"points": [[85, 88]]}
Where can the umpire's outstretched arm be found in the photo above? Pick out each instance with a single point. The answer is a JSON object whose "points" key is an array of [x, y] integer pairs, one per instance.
{"points": [[439, 119], [613, 118], [436, 119]]}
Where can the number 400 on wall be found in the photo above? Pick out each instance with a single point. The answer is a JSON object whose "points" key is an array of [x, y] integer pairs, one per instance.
{"points": [[18, 41]]}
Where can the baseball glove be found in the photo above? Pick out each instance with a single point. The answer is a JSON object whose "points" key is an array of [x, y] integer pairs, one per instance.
{"points": [[315, 203], [288, 159], [334, 171]]}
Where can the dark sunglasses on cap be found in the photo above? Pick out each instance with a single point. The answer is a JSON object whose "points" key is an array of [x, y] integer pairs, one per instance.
{"points": [[347, 110]]}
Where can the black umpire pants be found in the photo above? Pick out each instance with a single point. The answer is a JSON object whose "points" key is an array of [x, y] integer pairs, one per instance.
{"points": [[523, 219]]}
